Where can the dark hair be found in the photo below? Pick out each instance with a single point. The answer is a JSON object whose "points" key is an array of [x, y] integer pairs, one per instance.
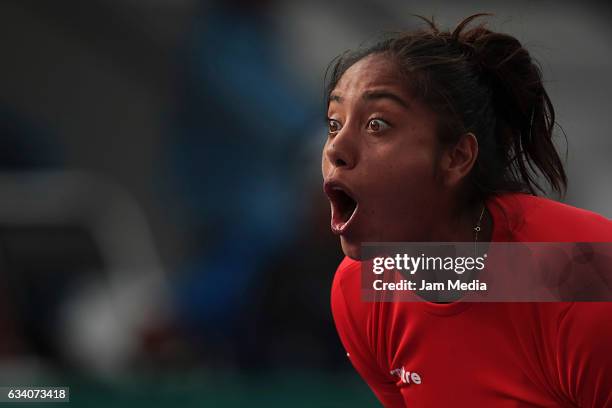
{"points": [[482, 82]]}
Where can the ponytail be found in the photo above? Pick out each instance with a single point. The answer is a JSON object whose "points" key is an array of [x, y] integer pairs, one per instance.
{"points": [[525, 115]]}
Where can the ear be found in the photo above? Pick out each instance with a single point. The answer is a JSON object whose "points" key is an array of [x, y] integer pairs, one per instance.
{"points": [[457, 161]]}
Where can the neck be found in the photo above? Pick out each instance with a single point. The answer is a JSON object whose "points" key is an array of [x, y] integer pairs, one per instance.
{"points": [[458, 226]]}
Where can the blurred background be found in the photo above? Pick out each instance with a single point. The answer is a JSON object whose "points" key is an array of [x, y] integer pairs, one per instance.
{"points": [[163, 235]]}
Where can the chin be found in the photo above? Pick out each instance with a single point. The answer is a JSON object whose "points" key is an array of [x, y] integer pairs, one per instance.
{"points": [[350, 248]]}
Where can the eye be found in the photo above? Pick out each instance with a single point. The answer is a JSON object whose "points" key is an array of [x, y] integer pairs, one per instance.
{"points": [[333, 126], [377, 125]]}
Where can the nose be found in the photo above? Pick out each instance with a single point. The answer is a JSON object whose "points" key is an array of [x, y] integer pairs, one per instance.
{"points": [[340, 150]]}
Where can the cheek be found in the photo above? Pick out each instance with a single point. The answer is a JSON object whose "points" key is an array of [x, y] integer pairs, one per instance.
{"points": [[404, 198], [413, 176], [410, 169], [404, 183]]}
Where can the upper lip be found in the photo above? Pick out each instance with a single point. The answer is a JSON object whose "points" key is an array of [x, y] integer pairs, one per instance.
{"points": [[335, 184]]}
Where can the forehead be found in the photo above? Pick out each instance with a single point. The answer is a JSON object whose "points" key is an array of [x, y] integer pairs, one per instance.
{"points": [[373, 71]]}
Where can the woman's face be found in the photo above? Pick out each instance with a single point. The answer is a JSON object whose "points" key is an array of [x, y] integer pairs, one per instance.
{"points": [[379, 159]]}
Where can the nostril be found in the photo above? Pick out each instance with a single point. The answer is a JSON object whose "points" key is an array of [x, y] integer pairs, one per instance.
{"points": [[340, 163]]}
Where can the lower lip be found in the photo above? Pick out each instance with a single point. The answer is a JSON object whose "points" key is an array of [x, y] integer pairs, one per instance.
{"points": [[342, 228]]}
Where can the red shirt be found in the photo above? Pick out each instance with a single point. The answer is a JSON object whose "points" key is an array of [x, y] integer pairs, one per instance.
{"points": [[421, 354]]}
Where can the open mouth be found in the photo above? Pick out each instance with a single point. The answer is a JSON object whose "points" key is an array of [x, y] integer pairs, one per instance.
{"points": [[343, 207]]}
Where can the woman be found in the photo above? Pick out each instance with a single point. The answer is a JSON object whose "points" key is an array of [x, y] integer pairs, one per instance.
{"points": [[436, 136]]}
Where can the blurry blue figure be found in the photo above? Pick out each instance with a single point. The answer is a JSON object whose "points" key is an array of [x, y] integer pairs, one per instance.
{"points": [[242, 125]]}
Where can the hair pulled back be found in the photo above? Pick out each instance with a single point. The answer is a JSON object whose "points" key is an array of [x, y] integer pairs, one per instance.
{"points": [[482, 82]]}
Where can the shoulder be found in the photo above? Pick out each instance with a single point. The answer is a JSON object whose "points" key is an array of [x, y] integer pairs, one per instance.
{"points": [[345, 287], [346, 273], [355, 322], [583, 354], [352, 316], [532, 218]]}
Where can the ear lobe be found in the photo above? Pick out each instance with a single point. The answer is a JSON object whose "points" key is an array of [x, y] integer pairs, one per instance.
{"points": [[460, 159]]}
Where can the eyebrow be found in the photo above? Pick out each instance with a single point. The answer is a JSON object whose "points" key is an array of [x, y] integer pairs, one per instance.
{"points": [[375, 95], [335, 98]]}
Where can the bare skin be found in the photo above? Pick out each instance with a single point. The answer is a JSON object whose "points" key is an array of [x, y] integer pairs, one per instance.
{"points": [[382, 151]]}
